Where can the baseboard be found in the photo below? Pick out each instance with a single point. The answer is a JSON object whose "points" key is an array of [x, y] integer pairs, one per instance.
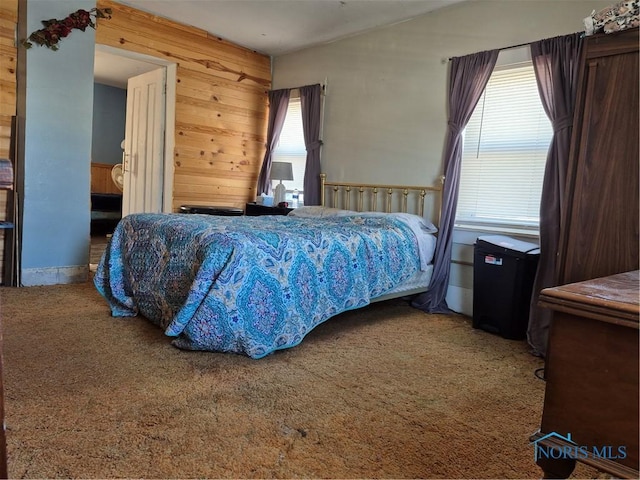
{"points": [[31, 277], [460, 300]]}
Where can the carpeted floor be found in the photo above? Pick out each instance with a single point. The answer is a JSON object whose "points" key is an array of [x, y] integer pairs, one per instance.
{"points": [[382, 392]]}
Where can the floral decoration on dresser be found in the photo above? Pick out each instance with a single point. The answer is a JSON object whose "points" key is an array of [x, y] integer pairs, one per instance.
{"points": [[55, 30], [621, 16]]}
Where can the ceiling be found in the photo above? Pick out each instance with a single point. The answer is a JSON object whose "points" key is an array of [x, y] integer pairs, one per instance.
{"points": [[271, 27], [274, 27], [114, 70]]}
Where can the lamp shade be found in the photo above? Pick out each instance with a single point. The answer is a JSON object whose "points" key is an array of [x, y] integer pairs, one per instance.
{"points": [[281, 171]]}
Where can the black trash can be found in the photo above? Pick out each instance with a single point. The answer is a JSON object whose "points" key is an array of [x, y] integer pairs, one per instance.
{"points": [[503, 272], [212, 210]]}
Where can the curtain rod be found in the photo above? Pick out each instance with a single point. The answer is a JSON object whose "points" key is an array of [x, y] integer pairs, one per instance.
{"points": [[519, 45], [323, 87], [505, 48]]}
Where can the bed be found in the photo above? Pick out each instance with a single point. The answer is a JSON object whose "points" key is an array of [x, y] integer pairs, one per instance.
{"points": [[254, 285]]}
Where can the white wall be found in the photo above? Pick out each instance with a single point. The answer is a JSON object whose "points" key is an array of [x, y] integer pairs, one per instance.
{"points": [[386, 104]]}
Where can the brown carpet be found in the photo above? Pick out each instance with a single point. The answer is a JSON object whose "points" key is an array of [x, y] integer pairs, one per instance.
{"points": [[382, 392]]}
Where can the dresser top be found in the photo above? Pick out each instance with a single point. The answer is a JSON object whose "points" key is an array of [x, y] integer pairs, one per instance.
{"points": [[617, 294]]}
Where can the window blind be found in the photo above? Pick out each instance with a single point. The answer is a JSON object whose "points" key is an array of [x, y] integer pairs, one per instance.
{"points": [[291, 145], [504, 153]]}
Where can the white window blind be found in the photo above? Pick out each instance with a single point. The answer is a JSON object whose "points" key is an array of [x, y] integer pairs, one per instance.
{"points": [[504, 154], [291, 145]]}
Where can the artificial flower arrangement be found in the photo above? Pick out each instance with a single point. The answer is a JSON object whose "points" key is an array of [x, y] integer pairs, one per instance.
{"points": [[55, 30]]}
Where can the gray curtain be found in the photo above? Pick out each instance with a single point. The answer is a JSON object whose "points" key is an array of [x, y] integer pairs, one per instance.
{"points": [[278, 104], [555, 61], [468, 78], [310, 97]]}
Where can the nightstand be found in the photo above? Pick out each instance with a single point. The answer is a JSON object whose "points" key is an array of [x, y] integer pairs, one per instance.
{"points": [[254, 210]]}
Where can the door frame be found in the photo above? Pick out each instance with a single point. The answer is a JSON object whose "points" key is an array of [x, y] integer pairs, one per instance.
{"points": [[170, 115]]}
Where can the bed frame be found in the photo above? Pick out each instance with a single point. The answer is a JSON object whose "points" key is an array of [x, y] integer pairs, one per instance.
{"points": [[423, 201]]}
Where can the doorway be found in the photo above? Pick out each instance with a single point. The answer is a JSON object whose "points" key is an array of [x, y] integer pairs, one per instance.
{"points": [[149, 178]]}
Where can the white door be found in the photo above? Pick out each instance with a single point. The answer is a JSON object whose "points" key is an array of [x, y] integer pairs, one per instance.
{"points": [[144, 143]]}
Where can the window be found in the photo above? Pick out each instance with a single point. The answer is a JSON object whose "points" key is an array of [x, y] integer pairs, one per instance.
{"points": [[291, 146], [504, 153]]}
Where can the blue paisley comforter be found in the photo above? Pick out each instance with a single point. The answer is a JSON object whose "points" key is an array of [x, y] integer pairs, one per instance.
{"points": [[250, 285]]}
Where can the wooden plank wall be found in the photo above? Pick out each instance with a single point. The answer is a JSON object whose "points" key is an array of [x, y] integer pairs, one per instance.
{"points": [[221, 104], [8, 53], [8, 56], [101, 181]]}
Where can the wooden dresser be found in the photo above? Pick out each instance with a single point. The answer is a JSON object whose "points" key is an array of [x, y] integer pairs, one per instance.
{"points": [[592, 373]]}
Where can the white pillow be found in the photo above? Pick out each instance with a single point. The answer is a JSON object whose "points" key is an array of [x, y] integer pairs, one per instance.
{"points": [[415, 222], [422, 230], [319, 211]]}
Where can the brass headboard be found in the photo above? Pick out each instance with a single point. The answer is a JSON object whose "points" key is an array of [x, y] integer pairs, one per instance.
{"points": [[399, 198]]}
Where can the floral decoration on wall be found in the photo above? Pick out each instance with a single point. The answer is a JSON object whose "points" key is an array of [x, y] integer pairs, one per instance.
{"points": [[55, 30]]}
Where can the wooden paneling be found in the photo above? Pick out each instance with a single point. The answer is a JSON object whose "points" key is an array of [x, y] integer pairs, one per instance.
{"points": [[101, 181], [8, 56], [221, 104]]}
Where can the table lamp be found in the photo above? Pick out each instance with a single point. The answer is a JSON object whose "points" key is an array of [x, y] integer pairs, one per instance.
{"points": [[281, 171]]}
